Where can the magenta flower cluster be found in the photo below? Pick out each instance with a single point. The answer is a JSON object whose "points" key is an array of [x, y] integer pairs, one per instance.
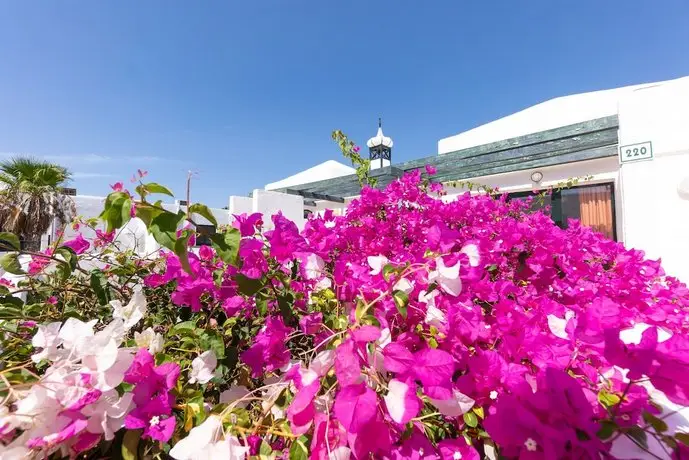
{"points": [[516, 336]]}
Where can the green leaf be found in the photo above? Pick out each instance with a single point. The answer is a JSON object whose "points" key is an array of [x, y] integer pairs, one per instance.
{"points": [[204, 211], [470, 419], [184, 325], [248, 286], [66, 268], [608, 399], [401, 301], [227, 245], [639, 435], [9, 241], [182, 249], [212, 340], [147, 213], [153, 187], [607, 429], [361, 309], [388, 271], [99, 284], [285, 303], [117, 210], [683, 438], [265, 449], [479, 411], [299, 451], [164, 228], [10, 263], [659, 425], [130, 444]]}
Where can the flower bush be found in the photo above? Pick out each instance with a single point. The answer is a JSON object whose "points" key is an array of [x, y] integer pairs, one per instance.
{"points": [[412, 327]]}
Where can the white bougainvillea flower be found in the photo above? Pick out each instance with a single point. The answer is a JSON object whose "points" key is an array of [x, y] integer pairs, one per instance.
{"points": [[149, 339], [401, 401], [471, 250], [74, 331], [47, 338], [132, 312], [202, 367], [99, 353], [206, 441], [404, 285], [434, 316], [322, 363], [314, 266], [376, 263], [235, 393], [457, 405], [558, 325], [107, 414], [446, 277], [114, 375]]}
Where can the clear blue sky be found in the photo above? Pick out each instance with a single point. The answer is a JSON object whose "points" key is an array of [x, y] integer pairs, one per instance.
{"points": [[247, 92]]}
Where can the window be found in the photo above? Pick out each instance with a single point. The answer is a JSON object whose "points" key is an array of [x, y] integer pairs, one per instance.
{"points": [[592, 205], [203, 234]]}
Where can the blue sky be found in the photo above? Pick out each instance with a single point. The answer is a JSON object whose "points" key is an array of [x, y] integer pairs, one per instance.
{"points": [[247, 92]]}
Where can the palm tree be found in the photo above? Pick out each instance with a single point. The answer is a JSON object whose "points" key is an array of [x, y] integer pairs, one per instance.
{"points": [[31, 198]]}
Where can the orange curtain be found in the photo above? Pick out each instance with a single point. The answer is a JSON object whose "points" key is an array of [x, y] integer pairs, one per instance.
{"points": [[596, 209]]}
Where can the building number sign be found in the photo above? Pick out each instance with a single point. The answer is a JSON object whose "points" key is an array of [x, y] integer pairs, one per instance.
{"points": [[636, 152]]}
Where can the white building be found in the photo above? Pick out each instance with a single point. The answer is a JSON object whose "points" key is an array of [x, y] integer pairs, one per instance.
{"points": [[633, 142]]}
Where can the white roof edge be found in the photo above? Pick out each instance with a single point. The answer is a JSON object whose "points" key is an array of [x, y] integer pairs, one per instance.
{"points": [[550, 114], [323, 171]]}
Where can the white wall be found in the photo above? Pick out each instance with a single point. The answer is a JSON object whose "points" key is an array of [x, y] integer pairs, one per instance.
{"points": [[269, 203], [241, 205], [656, 218]]}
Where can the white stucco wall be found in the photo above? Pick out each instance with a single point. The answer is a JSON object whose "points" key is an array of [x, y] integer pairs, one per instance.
{"points": [[241, 205], [269, 203], [655, 216]]}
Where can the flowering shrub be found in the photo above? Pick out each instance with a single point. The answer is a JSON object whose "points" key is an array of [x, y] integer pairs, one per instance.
{"points": [[411, 327]]}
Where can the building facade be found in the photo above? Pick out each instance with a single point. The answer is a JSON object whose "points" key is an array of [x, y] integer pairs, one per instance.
{"points": [[629, 147]]}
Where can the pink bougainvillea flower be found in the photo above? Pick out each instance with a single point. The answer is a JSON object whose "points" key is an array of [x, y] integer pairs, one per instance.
{"points": [[248, 224], [68, 429], [397, 358], [78, 244], [154, 417], [457, 449], [268, 351], [347, 363], [401, 401], [117, 187], [355, 406], [104, 238]]}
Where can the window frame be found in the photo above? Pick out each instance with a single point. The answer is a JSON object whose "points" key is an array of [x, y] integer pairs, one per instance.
{"points": [[556, 202]]}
